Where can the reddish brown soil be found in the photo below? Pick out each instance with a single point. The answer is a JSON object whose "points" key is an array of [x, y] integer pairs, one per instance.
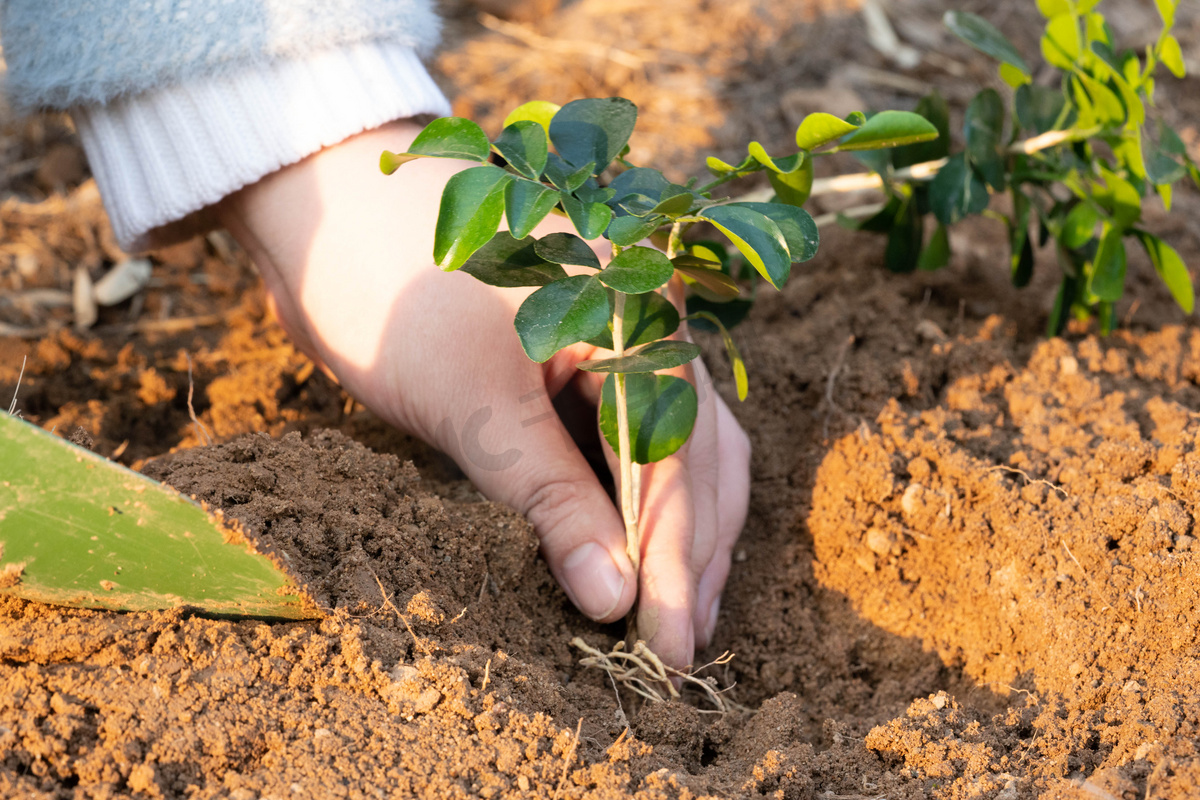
{"points": [[971, 568]]}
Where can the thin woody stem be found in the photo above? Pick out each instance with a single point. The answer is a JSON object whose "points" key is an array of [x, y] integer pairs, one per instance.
{"points": [[629, 510]]}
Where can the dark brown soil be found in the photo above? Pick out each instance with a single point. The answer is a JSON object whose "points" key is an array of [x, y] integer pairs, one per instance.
{"points": [[971, 568]]}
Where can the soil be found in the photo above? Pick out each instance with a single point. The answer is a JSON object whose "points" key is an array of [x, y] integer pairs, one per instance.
{"points": [[971, 568]]}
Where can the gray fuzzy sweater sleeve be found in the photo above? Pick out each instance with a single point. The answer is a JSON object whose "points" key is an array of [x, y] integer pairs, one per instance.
{"points": [[63, 53]]}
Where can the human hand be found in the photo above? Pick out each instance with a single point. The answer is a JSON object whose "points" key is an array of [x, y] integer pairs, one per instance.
{"points": [[344, 252]]}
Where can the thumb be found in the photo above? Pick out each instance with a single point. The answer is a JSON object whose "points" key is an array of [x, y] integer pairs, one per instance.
{"points": [[582, 535]]}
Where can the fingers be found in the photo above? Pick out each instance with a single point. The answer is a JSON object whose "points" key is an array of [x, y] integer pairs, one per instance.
{"points": [[582, 535], [733, 480]]}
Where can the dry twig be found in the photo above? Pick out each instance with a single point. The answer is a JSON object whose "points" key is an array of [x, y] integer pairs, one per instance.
{"points": [[387, 601], [1030, 480], [12, 407], [830, 405], [567, 759], [645, 674], [191, 410]]}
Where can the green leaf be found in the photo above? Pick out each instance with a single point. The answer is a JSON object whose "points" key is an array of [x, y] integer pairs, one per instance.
{"points": [[932, 107], [1079, 226], [1120, 199], [1020, 242], [718, 167], [756, 237], [523, 145], [636, 270], [675, 205], [788, 164], [640, 180], [648, 318], [471, 209], [562, 313], [793, 188], [1022, 262], [662, 413], [937, 252], [820, 128], [666, 354], [506, 261], [1040, 109], [1105, 104], [590, 219], [526, 203], [539, 111], [1108, 274], [1166, 192], [903, 250], [1134, 107], [1171, 269], [1107, 318], [1013, 76], [567, 248], [1161, 168], [1128, 150], [593, 130], [707, 275], [984, 126], [1062, 43], [638, 205], [564, 176], [628, 230], [731, 313], [735, 357], [957, 192], [1166, 10], [446, 137], [983, 36], [890, 129], [591, 192], [797, 226], [1052, 8], [1171, 54], [1062, 303]]}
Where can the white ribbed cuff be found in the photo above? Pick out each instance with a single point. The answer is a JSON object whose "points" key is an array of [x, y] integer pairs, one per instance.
{"points": [[162, 158]]}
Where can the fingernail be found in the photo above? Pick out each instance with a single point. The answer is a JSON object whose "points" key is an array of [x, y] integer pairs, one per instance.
{"points": [[711, 628], [593, 580]]}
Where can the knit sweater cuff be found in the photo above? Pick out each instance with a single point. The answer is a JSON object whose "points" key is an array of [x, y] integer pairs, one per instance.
{"points": [[163, 158]]}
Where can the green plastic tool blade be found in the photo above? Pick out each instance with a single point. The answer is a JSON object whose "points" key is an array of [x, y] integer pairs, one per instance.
{"points": [[79, 530]]}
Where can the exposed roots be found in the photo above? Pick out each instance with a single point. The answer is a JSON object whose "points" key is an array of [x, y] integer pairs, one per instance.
{"points": [[644, 673]]}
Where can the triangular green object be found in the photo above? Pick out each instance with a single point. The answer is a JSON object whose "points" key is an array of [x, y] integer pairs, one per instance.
{"points": [[79, 530]]}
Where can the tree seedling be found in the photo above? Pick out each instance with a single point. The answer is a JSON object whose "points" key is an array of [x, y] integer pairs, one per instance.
{"points": [[571, 160], [1081, 152]]}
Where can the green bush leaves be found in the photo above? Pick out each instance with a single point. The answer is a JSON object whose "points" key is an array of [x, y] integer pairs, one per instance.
{"points": [[650, 358], [472, 206], [593, 131], [637, 270], [562, 313], [508, 262], [448, 137], [984, 37], [1085, 187], [890, 129], [662, 413], [756, 237]]}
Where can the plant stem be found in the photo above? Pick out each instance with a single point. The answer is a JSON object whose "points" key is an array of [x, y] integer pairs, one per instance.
{"points": [[629, 501]]}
